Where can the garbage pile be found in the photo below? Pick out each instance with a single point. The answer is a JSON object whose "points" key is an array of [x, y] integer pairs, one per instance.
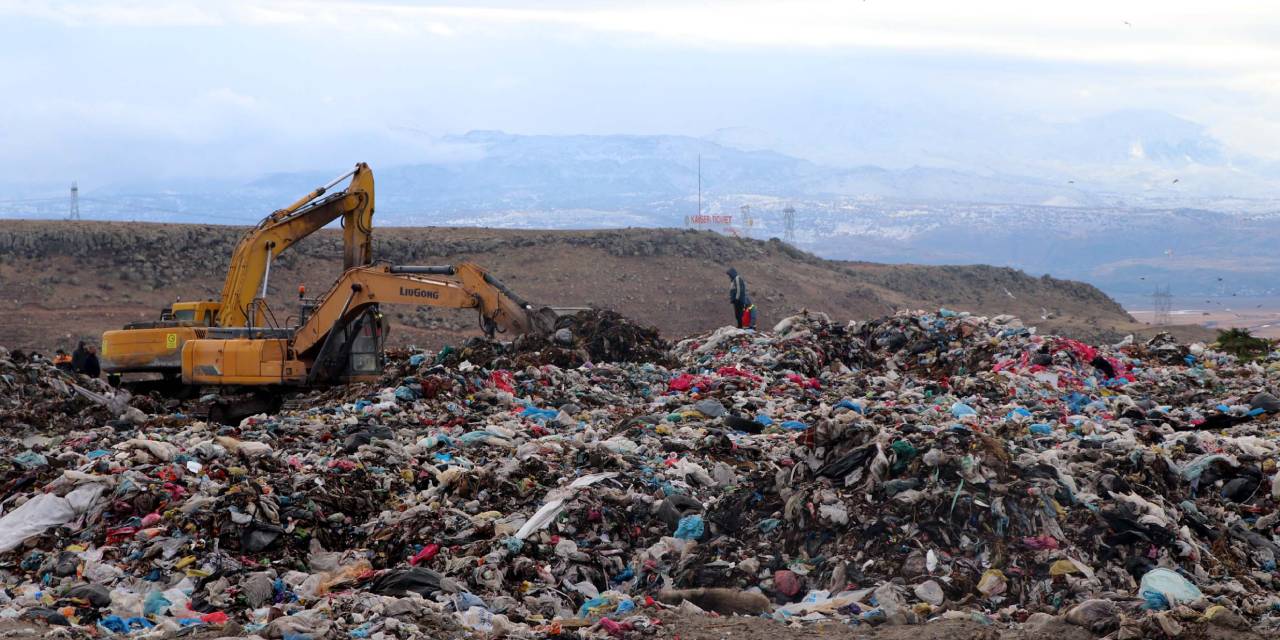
{"points": [[590, 335], [894, 471], [38, 398]]}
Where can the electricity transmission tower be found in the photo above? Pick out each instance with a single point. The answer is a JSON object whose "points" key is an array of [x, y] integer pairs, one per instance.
{"points": [[74, 212], [789, 224], [1161, 304], [747, 221]]}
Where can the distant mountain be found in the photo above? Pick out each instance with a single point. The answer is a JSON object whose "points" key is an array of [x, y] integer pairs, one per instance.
{"points": [[1131, 152], [1134, 136], [1129, 188], [642, 174], [599, 172]]}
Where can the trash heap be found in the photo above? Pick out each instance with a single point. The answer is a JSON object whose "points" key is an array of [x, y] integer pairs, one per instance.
{"points": [[894, 471], [36, 398], [590, 335]]}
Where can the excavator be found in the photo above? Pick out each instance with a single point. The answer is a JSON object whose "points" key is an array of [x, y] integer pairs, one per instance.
{"points": [[156, 346], [340, 336]]}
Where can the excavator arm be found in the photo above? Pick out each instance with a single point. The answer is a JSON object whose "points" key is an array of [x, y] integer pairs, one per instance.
{"points": [[465, 286], [251, 261], [318, 349]]}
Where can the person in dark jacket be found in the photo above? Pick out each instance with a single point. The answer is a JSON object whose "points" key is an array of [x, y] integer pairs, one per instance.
{"points": [[744, 312], [91, 366], [77, 358]]}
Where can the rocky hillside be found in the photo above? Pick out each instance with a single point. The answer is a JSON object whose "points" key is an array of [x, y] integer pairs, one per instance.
{"points": [[63, 280]]}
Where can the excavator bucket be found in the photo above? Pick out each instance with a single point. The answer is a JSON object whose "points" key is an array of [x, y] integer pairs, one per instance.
{"points": [[543, 320]]}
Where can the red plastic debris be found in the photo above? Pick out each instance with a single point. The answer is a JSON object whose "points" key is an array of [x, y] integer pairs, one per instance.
{"points": [[428, 552]]}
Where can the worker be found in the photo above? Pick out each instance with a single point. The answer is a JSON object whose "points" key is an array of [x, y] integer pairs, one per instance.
{"points": [[91, 367], [78, 356], [62, 360], [744, 312]]}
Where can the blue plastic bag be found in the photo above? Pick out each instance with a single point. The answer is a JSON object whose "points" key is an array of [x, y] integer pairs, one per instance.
{"points": [[29, 460], [1164, 588], [691, 527], [593, 603], [539, 415], [849, 404], [961, 410], [114, 624], [155, 604]]}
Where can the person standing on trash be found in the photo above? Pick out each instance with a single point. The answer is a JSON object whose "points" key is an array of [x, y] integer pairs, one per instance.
{"points": [[744, 312], [62, 360], [77, 357], [91, 367]]}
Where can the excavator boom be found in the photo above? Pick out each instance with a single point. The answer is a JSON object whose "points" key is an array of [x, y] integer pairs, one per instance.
{"points": [[251, 260], [320, 349]]}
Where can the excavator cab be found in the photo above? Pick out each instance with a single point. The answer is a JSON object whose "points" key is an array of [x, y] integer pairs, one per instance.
{"points": [[194, 314], [368, 339], [354, 353]]}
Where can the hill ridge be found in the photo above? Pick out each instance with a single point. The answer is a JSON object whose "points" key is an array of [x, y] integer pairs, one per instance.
{"points": [[84, 277]]}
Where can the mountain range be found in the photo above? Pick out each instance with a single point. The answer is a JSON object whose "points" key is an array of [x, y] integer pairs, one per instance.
{"points": [[1113, 200]]}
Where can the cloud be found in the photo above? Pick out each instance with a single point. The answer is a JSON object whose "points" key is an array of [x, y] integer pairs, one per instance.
{"points": [[1234, 35], [224, 95], [116, 13], [292, 71]]}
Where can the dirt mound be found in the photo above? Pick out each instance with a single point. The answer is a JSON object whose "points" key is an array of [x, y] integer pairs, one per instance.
{"points": [[87, 277]]}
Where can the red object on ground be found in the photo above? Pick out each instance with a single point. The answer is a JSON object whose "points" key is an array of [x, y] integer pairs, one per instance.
{"points": [[428, 552], [786, 582]]}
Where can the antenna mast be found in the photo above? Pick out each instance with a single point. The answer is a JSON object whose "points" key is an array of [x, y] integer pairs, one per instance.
{"points": [[74, 212]]}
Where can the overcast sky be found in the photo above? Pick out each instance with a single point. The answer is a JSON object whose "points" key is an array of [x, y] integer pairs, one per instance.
{"points": [[123, 91]]}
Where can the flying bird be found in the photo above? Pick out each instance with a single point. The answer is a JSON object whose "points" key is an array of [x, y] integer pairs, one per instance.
{"points": [[1175, 181]]}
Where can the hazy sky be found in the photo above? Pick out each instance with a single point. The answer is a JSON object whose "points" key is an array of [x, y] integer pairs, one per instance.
{"points": [[124, 91]]}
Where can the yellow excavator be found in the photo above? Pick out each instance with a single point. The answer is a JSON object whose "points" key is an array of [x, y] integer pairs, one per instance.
{"points": [[156, 346], [341, 335]]}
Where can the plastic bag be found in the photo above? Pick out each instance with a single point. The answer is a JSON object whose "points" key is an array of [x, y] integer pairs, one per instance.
{"points": [[39, 514], [1163, 589], [691, 527]]}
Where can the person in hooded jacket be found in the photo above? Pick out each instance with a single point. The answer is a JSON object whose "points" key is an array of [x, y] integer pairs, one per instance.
{"points": [[744, 312], [77, 357], [91, 366]]}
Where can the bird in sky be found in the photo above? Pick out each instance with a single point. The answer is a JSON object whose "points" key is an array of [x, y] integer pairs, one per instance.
{"points": [[1175, 181]]}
